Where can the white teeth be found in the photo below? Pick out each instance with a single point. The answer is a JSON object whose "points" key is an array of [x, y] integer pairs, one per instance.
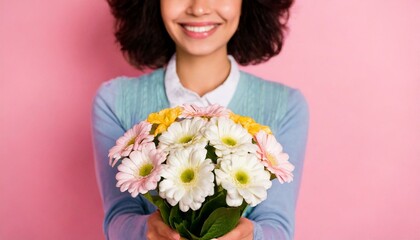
{"points": [[199, 29]]}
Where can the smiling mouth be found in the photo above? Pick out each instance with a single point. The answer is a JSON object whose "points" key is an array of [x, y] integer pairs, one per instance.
{"points": [[199, 29]]}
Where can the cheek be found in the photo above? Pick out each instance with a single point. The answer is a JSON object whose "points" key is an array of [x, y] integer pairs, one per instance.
{"points": [[231, 10], [165, 11], [169, 11]]}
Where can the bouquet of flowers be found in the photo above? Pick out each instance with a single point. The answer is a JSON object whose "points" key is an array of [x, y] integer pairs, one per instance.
{"points": [[201, 166]]}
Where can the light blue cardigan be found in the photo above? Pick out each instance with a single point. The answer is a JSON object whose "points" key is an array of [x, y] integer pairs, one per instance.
{"points": [[122, 102]]}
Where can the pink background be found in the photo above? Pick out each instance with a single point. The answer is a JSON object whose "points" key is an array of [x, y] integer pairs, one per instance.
{"points": [[357, 62]]}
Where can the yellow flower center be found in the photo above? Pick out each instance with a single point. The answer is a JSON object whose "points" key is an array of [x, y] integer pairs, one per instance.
{"points": [[229, 141], [145, 170], [185, 139], [271, 159], [242, 177], [132, 141], [187, 176]]}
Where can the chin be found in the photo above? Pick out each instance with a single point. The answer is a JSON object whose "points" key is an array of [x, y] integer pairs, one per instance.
{"points": [[201, 50]]}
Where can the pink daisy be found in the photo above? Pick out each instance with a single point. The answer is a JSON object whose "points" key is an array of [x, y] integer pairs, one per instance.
{"points": [[138, 134], [141, 171], [215, 110], [271, 155]]}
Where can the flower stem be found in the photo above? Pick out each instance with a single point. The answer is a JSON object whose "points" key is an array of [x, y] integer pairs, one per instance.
{"points": [[148, 197]]}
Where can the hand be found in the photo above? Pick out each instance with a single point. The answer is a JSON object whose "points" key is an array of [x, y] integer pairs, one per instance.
{"points": [[244, 231], [158, 230]]}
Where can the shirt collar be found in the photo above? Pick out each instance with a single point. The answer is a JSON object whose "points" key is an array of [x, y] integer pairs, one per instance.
{"points": [[177, 94]]}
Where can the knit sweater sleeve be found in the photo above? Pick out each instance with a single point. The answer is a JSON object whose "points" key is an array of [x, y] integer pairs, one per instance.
{"points": [[125, 217], [274, 218]]}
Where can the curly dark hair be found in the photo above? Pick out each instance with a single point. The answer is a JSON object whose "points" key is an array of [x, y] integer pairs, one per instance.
{"points": [[140, 31]]}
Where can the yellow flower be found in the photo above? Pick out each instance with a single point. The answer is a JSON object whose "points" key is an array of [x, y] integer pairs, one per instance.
{"points": [[163, 119], [249, 124]]}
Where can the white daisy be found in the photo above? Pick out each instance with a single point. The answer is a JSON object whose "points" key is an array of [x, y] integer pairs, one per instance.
{"points": [[141, 171], [188, 179], [227, 137], [183, 134], [244, 178]]}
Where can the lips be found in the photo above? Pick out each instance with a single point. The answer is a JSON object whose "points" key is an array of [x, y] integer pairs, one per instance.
{"points": [[199, 30]]}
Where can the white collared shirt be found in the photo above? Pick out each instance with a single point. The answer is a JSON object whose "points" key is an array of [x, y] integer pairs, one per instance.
{"points": [[177, 94]]}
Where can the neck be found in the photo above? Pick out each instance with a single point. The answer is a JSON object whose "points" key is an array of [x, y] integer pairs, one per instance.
{"points": [[202, 74]]}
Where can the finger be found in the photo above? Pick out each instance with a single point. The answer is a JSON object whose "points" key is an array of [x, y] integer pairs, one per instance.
{"points": [[158, 227], [169, 233], [232, 235]]}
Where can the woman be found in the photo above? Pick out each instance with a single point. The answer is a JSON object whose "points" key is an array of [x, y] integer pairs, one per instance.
{"points": [[195, 47]]}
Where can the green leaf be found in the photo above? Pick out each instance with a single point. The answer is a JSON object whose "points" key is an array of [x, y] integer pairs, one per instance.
{"points": [[174, 216], [161, 204], [164, 209], [188, 217], [220, 222], [211, 153], [214, 202], [184, 232]]}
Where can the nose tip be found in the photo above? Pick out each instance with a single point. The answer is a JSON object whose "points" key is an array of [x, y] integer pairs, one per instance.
{"points": [[199, 8]]}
